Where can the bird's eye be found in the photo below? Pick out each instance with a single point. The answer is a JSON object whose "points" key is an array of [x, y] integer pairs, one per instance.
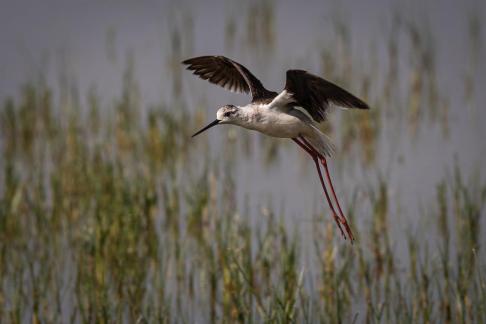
{"points": [[227, 114]]}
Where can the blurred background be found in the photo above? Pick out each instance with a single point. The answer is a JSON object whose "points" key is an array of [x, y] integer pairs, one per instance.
{"points": [[110, 212]]}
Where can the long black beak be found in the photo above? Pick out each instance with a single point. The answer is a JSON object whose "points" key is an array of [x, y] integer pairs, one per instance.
{"points": [[214, 123]]}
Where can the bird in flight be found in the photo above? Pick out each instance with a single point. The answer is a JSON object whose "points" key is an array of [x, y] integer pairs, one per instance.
{"points": [[278, 114]]}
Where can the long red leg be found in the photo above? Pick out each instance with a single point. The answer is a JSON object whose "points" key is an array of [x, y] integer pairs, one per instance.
{"points": [[344, 221], [314, 155], [328, 176]]}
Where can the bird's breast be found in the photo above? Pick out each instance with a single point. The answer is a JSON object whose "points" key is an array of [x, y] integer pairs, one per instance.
{"points": [[275, 123]]}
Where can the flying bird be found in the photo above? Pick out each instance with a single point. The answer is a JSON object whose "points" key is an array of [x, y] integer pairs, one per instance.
{"points": [[279, 114]]}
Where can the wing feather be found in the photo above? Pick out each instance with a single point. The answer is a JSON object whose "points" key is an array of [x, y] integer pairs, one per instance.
{"points": [[228, 74], [314, 94]]}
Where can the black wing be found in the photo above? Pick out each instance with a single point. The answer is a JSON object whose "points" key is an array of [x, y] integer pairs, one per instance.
{"points": [[229, 74], [314, 94]]}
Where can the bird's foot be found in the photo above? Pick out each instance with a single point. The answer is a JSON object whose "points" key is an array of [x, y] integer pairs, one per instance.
{"points": [[339, 222], [347, 228]]}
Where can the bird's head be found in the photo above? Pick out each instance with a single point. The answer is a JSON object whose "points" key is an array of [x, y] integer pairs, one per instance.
{"points": [[228, 114]]}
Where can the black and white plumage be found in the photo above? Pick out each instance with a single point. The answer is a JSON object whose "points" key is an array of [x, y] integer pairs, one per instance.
{"points": [[314, 94], [277, 114], [306, 90]]}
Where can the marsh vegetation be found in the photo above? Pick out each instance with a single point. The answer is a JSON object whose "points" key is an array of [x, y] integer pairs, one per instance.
{"points": [[110, 213]]}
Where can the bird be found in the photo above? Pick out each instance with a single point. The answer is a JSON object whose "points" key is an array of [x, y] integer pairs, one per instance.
{"points": [[294, 113]]}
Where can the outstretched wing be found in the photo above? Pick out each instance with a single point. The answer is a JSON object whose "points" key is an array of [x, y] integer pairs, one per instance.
{"points": [[314, 94], [229, 74]]}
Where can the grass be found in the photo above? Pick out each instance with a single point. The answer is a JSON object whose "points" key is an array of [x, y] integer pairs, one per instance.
{"points": [[96, 225]]}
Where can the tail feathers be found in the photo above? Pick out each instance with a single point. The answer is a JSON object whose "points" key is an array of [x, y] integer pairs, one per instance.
{"points": [[321, 142]]}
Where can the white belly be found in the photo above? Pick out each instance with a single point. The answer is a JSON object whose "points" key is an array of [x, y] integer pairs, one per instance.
{"points": [[277, 124]]}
